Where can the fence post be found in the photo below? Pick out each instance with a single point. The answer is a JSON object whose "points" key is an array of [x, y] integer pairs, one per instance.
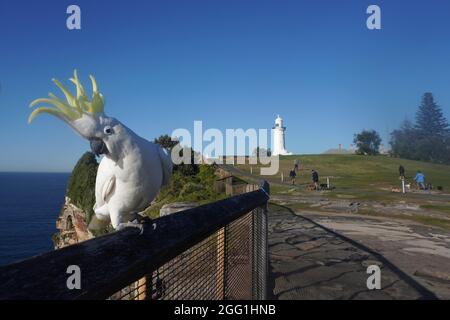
{"points": [[221, 264], [260, 251], [403, 185], [229, 186], [254, 260], [264, 252], [142, 289]]}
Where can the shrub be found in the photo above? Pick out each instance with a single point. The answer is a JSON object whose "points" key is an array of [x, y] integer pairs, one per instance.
{"points": [[81, 185], [197, 187]]}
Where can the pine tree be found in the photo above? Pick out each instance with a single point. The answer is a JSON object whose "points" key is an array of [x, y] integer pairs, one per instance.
{"points": [[430, 121], [428, 139]]}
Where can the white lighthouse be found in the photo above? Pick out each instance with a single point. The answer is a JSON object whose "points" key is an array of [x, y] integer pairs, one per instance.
{"points": [[279, 148]]}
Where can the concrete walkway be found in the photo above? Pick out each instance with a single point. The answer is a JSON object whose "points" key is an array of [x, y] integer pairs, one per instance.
{"points": [[309, 261], [421, 251]]}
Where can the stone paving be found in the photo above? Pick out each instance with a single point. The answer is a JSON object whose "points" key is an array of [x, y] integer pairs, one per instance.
{"points": [[423, 252], [308, 261]]}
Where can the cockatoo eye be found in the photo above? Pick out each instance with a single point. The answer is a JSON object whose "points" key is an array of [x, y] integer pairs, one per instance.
{"points": [[108, 130]]}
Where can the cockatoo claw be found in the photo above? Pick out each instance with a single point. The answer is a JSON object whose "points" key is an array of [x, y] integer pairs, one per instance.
{"points": [[132, 224]]}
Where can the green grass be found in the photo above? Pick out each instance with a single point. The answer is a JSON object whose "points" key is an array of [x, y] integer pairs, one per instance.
{"points": [[355, 173], [426, 220], [368, 179], [276, 189]]}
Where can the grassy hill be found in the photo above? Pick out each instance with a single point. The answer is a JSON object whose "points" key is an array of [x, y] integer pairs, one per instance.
{"points": [[357, 173], [368, 180]]}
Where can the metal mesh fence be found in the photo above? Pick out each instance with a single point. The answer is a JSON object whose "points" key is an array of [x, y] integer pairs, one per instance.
{"points": [[229, 264]]}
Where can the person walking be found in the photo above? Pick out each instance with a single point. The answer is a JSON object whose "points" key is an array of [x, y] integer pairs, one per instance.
{"points": [[292, 175], [401, 171], [420, 179], [315, 179]]}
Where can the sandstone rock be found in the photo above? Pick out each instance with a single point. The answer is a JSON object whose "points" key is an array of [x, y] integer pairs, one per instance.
{"points": [[71, 225]]}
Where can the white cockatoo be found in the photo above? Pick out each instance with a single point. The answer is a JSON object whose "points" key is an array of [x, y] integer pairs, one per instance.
{"points": [[132, 169]]}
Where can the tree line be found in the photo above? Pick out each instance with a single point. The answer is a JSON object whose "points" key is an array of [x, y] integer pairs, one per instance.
{"points": [[426, 139]]}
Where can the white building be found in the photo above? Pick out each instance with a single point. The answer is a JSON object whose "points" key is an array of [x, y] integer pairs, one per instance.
{"points": [[279, 147]]}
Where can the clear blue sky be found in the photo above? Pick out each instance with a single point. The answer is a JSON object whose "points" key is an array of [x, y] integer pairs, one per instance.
{"points": [[233, 64]]}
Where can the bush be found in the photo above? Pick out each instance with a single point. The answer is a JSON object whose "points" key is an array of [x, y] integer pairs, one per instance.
{"points": [[81, 185], [197, 187]]}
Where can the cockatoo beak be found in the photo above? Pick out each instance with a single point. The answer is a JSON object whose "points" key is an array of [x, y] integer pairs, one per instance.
{"points": [[98, 147]]}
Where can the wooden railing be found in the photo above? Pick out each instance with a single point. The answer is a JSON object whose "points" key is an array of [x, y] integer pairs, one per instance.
{"points": [[229, 237]]}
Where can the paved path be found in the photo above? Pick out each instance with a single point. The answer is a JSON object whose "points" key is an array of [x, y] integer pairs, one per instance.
{"points": [[423, 252], [308, 261]]}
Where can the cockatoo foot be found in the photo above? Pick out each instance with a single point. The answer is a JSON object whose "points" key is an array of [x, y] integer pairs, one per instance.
{"points": [[132, 224], [140, 216]]}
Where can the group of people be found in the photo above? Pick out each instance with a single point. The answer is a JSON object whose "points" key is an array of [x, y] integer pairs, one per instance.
{"points": [[419, 178], [314, 175]]}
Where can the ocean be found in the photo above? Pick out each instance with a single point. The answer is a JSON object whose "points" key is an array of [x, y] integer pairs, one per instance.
{"points": [[29, 206]]}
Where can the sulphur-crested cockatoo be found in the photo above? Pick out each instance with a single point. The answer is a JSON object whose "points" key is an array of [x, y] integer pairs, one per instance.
{"points": [[132, 170]]}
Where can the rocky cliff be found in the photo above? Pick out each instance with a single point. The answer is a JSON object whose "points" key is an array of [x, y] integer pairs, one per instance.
{"points": [[71, 225], [77, 210]]}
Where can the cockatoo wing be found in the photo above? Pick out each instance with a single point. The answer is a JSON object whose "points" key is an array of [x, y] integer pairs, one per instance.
{"points": [[166, 165], [108, 188], [104, 188], [105, 182]]}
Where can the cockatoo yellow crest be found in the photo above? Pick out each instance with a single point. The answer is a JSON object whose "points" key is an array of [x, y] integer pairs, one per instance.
{"points": [[74, 107], [132, 169]]}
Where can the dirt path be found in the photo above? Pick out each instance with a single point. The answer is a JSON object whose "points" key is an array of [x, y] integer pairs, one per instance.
{"points": [[308, 261]]}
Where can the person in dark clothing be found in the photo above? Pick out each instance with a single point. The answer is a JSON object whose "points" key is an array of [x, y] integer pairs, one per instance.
{"points": [[401, 171], [315, 179], [292, 175]]}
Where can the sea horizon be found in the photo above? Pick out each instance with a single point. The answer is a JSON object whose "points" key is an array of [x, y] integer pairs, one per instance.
{"points": [[30, 203]]}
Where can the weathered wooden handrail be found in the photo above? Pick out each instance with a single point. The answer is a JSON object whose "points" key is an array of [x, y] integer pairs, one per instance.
{"points": [[109, 263]]}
